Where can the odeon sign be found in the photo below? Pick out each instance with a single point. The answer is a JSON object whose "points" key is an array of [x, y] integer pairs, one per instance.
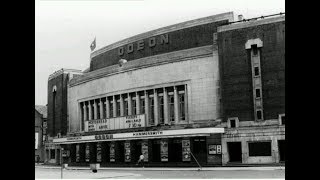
{"points": [[140, 45]]}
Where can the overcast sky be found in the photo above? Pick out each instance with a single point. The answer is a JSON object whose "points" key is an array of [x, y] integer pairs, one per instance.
{"points": [[64, 29]]}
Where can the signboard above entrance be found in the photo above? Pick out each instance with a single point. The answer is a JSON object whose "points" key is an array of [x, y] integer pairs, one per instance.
{"points": [[127, 122]]}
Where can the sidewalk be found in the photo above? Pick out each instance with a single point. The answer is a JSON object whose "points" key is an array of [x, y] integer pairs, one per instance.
{"points": [[168, 169]]}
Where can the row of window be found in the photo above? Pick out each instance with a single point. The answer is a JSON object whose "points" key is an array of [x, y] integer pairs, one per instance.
{"points": [[127, 104], [255, 62]]}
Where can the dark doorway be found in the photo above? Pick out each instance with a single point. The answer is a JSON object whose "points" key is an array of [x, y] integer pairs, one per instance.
{"points": [[199, 149], [105, 152], [156, 150], [234, 150], [282, 149], [93, 152], [73, 153], [174, 150], [120, 152], [135, 150]]}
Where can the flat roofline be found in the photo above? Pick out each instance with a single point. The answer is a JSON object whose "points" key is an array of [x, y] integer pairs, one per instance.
{"points": [[61, 71], [205, 20], [252, 22]]}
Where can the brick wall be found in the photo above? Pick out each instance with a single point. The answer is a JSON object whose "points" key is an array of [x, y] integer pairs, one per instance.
{"points": [[60, 110], [235, 69], [187, 38]]}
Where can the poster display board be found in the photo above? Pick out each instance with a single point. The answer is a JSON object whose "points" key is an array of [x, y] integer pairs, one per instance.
{"points": [[164, 150], [77, 152], [98, 152], [112, 153], [186, 150], [127, 152], [218, 149], [144, 150], [214, 149], [87, 152], [132, 121]]}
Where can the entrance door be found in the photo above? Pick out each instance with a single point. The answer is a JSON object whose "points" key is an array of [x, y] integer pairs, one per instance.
{"points": [[135, 150], [282, 146], [175, 150], [234, 150], [120, 151], [156, 150], [200, 149]]}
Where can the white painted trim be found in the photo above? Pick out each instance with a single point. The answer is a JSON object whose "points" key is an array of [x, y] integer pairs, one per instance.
{"points": [[147, 135], [279, 118], [250, 42]]}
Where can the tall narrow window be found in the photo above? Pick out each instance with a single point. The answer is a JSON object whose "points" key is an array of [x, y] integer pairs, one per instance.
{"points": [[82, 115], [92, 110], [104, 108], [171, 107], [181, 107], [87, 107], [142, 105], [125, 107], [98, 110], [258, 93], [161, 110], [255, 49], [134, 108], [111, 107], [259, 114], [151, 110], [118, 107], [256, 71]]}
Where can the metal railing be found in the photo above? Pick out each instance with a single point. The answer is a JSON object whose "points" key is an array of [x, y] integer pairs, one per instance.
{"points": [[256, 18]]}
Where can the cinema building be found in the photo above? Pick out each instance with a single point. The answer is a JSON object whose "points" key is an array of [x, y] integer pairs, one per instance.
{"points": [[160, 94]]}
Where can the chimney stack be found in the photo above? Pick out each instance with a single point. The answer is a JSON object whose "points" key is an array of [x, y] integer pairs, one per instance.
{"points": [[240, 17]]}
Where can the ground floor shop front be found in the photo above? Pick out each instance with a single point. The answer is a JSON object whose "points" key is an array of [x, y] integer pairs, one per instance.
{"points": [[162, 150], [253, 145]]}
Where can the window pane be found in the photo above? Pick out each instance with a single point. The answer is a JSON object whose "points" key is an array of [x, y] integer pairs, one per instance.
{"points": [[125, 108], [181, 107], [161, 109], [151, 110], [142, 104], [171, 108], [233, 123], [256, 71], [259, 114], [134, 110], [258, 93], [260, 149]]}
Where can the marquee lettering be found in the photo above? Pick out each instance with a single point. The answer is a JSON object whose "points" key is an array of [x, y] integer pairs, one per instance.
{"points": [[139, 45]]}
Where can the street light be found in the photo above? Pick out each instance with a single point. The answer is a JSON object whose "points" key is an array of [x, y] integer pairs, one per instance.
{"points": [[61, 159]]}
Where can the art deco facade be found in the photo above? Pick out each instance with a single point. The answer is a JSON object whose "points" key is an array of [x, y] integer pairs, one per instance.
{"points": [[177, 94]]}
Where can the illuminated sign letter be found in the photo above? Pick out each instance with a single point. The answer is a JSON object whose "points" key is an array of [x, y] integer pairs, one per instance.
{"points": [[140, 45], [152, 42], [130, 48], [120, 51], [164, 38]]}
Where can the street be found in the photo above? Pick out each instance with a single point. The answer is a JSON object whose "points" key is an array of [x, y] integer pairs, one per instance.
{"points": [[55, 173]]}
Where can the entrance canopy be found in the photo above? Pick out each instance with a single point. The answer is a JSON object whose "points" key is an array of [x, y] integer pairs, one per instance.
{"points": [[140, 135]]}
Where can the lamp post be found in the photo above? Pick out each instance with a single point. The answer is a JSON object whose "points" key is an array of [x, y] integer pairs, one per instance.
{"points": [[61, 161]]}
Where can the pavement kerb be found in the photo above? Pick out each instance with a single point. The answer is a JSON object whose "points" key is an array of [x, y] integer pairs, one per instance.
{"points": [[170, 169]]}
